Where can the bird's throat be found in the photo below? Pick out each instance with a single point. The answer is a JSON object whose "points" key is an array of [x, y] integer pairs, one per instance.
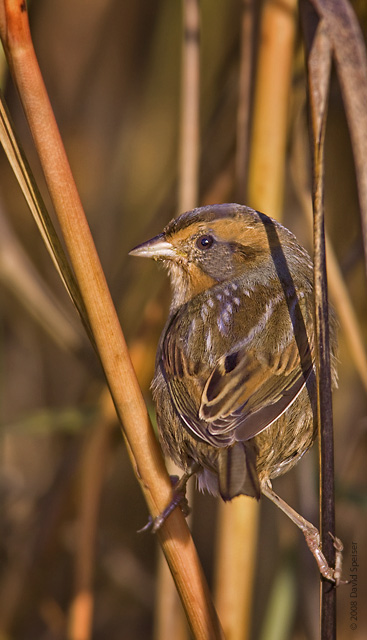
{"points": [[187, 281]]}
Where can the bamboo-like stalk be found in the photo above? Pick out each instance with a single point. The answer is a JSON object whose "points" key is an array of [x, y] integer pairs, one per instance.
{"points": [[238, 520], [190, 101], [244, 100], [235, 575], [142, 445], [270, 110], [235, 570], [169, 619], [92, 477]]}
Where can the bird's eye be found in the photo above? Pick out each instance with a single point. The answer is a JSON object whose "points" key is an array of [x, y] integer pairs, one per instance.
{"points": [[204, 242]]}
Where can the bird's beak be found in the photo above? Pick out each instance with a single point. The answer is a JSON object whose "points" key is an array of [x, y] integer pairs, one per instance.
{"points": [[157, 248]]}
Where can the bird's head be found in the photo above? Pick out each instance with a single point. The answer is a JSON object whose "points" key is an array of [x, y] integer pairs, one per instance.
{"points": [[213, 244]]}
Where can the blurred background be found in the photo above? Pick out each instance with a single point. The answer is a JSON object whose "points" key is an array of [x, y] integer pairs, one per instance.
{"points": [[70, 503]]}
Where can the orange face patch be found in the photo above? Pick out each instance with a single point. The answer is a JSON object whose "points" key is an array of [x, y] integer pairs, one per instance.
{"points": [[199, 280], [236, 231], [226, 230]]}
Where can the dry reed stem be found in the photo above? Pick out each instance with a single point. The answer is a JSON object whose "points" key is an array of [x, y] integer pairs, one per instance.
{"points": [[143, 449], [20, 277], [271, 102], [238, 520], [265, 192], [244, 100], [319, 67], [236, 553], [169, 622], [190, 101], [94, 465]]}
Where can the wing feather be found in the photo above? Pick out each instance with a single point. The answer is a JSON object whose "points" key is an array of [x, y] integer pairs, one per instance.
{"points": [[243, 392]]}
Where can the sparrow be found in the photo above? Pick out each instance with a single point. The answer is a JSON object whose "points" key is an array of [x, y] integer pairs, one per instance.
{"points": [[235, 383]]}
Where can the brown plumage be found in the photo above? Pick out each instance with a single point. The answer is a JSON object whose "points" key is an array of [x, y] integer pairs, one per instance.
{"points": [[234, 384]]}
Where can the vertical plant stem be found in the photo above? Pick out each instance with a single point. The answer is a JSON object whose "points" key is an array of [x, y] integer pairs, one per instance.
{"points": [[238, 520], [318, 65], [235, 570], [142, 445], [169, 619], [244, 100], [264, 192], [190, 102], [324, 403], [92, 477], [270, 111]]}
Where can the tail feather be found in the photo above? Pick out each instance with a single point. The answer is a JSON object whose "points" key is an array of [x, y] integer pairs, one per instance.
{"points": [[237, 472]]}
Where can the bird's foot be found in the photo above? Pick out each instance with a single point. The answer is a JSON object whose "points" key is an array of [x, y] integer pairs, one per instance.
{"points": [[333, 574], [178, 499], [312, 538]]}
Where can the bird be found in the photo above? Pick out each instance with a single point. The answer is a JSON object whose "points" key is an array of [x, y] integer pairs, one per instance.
{"points": [[235, 378]]}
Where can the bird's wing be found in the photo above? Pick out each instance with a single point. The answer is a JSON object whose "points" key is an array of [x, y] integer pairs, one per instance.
{"points": [[246, 399], [242, 394]]}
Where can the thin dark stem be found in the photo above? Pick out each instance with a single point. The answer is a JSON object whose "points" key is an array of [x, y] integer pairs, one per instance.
{"points": [[326, 440], [318, 67]]}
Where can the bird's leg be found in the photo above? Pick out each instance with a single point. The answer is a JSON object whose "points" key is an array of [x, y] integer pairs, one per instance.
{"points": [[312, 537], [178, 498]]}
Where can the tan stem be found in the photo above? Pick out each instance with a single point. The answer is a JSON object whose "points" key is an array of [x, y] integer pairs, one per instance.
{"points": [[271, 102]]}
